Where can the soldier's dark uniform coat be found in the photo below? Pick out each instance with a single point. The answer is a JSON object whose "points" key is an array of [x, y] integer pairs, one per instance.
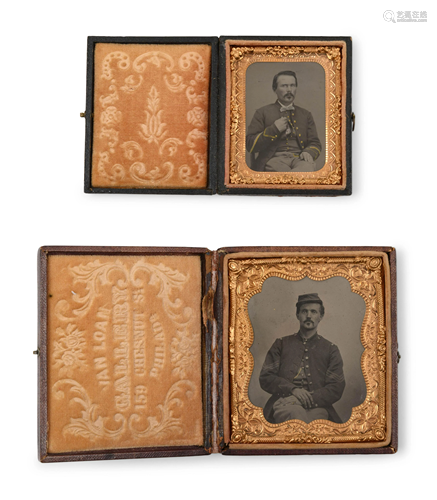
{"points": [[263, 136], [323, 370]]}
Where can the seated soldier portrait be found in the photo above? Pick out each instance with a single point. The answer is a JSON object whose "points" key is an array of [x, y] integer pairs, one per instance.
{"points": [[282, 137], [304, 371]]}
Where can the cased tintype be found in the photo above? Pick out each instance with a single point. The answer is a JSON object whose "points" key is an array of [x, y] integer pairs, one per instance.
{"points": [[152, 352], [201, 115], [318, 123]]}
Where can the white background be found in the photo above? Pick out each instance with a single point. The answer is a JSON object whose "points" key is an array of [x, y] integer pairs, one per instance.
{"points": [[394, 186]]}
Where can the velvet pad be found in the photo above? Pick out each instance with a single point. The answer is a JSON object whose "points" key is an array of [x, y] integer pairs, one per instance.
{"points": [[151, 115], [124, 352]]}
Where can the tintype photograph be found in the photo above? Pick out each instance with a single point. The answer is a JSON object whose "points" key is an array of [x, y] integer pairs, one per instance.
{"points": [[285, 117], [310, 339], [289, 115], [307, 350]]}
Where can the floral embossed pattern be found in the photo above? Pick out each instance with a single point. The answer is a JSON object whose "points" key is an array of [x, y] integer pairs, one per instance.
{"points": [[124, 352], [151, 109]]}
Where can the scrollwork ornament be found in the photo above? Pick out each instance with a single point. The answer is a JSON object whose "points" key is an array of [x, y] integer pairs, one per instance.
{"points": [[130, 85], [157, 58], [151, 175], [92, 275], [132, 150], [187, 59], [167, 422], [123, 63], [113, 173], [368, 421], [185, 171], [90, 425]]}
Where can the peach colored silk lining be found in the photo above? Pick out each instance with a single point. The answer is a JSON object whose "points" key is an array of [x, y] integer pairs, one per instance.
{"points": [[124, 352], [151, 116]]}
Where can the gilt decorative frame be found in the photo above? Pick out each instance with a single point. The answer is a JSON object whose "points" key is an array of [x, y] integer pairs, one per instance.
{"points": [[371, 423], [334, 55]]}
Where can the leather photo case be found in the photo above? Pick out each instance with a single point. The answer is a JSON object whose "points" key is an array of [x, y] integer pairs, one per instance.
{"points": [[155, 352], [228, 115]]}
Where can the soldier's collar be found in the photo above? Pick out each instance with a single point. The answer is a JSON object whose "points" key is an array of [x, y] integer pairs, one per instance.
{"points": [[290, 107], [311, 339]]}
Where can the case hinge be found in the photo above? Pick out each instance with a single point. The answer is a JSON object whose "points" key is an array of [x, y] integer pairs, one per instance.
{"points": [[208, 306]]}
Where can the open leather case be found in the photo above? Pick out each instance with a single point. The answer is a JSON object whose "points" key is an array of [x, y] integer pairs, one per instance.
{"points": [[197, 116], [154, 352]]}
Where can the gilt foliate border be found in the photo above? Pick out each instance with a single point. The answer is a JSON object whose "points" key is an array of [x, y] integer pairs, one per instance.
{"points": [[332, 59], [370, 422]]}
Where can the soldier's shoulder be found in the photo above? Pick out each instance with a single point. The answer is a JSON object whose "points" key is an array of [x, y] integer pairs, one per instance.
{"points": [[326, 342], [302, 111], [267, 108], [289, 338]]}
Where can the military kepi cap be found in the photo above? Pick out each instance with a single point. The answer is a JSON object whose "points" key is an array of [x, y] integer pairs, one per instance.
{"points": [[309, 297]]}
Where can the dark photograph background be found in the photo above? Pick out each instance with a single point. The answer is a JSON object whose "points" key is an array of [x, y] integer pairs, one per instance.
{"points": [[273, 315], [310, 93]]}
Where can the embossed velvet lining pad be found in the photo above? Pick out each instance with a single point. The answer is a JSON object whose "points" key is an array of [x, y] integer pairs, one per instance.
{"points": [[124, 352], [151, 115]]}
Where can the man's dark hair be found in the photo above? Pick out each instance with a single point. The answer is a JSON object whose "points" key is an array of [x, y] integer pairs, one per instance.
{"points": [[286, 73]]}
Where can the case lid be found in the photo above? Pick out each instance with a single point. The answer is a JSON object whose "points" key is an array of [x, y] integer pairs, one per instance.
{"points": [[123, 353]]}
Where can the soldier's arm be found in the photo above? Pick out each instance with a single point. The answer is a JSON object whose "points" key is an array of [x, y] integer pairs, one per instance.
{"points": [[334, 381], [269, 379], [314, 146], [259, 134]]}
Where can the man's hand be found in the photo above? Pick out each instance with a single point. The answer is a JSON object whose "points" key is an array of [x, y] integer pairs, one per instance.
{"points": [[304, 398], [281, 123], [305, 156]]}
